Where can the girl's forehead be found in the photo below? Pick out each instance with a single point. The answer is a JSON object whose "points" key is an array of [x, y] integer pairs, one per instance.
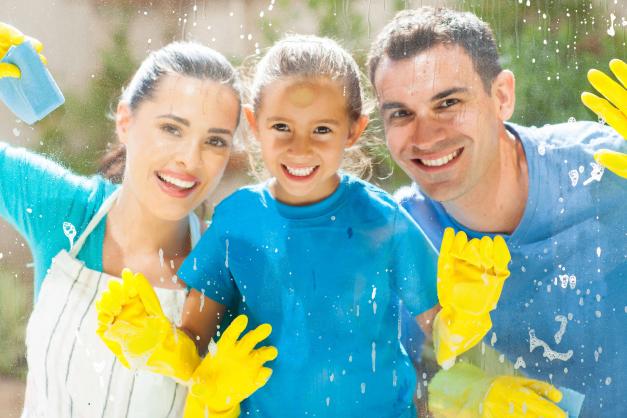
{"points": [[302, 92]]}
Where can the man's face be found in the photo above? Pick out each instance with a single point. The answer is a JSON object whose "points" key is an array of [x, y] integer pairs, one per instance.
{"points": [[441, 126]]}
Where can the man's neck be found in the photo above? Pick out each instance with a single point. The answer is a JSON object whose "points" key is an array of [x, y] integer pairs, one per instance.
{"points": [[497, 202]]}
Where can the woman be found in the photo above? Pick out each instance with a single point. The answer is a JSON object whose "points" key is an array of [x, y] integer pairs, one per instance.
{"points": [[175, 122]]}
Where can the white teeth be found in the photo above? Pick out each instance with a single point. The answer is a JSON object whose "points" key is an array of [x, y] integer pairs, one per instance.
{"points": [[441, 161], [300, 172], [177, 182]]}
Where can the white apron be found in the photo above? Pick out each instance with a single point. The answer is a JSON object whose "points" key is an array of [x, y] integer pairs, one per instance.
{"points": [[71, 373]]}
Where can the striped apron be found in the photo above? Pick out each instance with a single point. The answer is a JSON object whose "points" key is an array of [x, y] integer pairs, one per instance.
{"points": [[71, 373]]}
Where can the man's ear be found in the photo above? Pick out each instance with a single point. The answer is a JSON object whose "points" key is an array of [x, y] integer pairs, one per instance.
{"points": [[249, 112], [504, 94], [357, 128], [123, 118]]}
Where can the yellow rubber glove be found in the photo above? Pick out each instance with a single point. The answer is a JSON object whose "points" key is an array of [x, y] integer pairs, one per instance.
{"points": [[231, 372], [465, 391], [10, 36], [613, 109], [470, 280], [132, 324]]}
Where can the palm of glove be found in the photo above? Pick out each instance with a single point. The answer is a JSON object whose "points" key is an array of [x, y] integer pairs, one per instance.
{"points": [[10, 36], [236, 365], [130, 319], [613, 108], [470, 280]]}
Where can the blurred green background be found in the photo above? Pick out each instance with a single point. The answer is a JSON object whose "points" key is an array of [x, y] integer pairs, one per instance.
{"points": [[549, 45]]}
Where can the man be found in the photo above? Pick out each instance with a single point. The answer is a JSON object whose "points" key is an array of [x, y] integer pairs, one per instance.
{"points": [[444, 100]]}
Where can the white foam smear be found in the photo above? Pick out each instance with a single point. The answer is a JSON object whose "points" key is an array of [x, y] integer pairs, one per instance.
{"points": [[535, 342]]}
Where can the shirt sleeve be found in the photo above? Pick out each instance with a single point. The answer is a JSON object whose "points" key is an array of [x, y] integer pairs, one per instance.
{"points": [[414, 265], [206, 268]]}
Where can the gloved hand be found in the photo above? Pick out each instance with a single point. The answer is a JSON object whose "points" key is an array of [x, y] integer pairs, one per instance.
{"points": [[232, 371], [465, 391], [470, 280], [132, 324], [10, 36], [613, 109]]}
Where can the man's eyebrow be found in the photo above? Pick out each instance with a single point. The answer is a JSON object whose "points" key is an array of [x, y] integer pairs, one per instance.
{"points": [[392, 105], [448, 92], [179, 119]]}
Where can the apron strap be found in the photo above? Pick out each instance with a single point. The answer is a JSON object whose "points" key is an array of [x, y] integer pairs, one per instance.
{"points": [[102, 211], [194, 229]]}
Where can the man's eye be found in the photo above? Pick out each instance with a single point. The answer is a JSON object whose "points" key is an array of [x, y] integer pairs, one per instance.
{"points": [[281, 127], [448, 103], [398, 114], [322, 130], [217, 141], [171, 129]]}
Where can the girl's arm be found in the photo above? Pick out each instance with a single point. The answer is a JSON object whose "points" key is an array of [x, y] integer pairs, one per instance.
{"points": [[201, 319]]}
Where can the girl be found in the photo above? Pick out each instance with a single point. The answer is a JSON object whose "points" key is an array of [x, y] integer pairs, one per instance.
{"points": [[321, 255], [176, 122]]}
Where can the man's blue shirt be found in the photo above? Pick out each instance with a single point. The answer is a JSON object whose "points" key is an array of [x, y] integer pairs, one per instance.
{"points": [[562, 316]]}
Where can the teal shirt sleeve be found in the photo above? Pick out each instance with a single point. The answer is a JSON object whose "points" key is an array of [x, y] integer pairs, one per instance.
{"points": [[38, 195], [414, 261]]}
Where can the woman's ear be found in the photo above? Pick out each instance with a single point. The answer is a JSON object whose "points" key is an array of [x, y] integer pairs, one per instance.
{"points": [[123, 117], [357, 128], [249, 112]]}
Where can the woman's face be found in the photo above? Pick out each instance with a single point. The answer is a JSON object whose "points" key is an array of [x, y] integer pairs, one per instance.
{"points": [[178, 143]]}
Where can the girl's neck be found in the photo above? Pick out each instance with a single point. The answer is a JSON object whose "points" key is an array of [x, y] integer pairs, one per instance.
{"points": [[135, 229]]}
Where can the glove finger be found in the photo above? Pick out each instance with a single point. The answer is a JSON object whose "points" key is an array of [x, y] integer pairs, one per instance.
{"points": [[459, 243], [233, 331], [545, 389], [471, 253], [610, 89], [262, 377], [502, 257], [43, 59], [537, 406], [613, 161], [263, 354], [9, 70], [614, 117], [619, 68], [254, 337], [38, 46], [147, 295], [447, 241], [486, 251]]}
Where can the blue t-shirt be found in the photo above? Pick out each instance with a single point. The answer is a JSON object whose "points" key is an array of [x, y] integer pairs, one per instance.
{"points": [[37, 196], [327, 277], [562, 316]]}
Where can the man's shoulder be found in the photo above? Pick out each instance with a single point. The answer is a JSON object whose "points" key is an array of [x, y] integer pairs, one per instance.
{"points": [[582, 135]]}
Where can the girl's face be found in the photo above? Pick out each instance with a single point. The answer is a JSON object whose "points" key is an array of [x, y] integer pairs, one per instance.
{"points": [[303, 127], [178, 143]]}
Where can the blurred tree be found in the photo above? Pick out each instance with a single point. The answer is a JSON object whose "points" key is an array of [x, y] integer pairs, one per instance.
{"points": [[78, 133], [550, 45]]}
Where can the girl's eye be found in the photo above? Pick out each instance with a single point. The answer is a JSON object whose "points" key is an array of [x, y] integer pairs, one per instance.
{"points": [[322, 130], [171, 129], [217, 141], [281, 127], [448, 103]]}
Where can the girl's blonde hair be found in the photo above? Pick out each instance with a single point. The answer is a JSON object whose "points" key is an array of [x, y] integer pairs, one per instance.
{"points": [[310, 56]]}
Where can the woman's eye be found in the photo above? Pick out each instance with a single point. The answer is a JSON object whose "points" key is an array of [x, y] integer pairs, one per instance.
{"points": [[171, 129], [217, 141], [281, 127], [322, 130], [448, 103]]}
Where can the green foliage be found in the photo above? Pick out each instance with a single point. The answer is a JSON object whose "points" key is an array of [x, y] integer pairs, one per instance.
{"points": [[79, 133], [550, 46], [15, 307]]}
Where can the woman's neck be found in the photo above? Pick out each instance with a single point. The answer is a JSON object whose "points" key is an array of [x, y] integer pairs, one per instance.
{"points": [[135, 229]]}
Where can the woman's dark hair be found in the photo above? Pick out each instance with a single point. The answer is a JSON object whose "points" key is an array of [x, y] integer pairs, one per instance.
{"points": [[182, 58]]}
